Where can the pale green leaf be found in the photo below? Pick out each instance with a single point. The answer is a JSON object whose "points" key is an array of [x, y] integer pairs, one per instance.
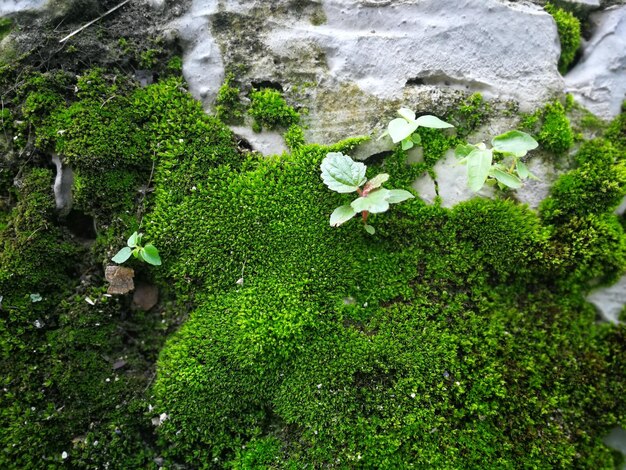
{"points": [[398, 195], [407, 144], [522, 170], [399, 129], [515, 142], [375, 202], [369, 229], [407, 114], [416, 138], [375, 182], [122, 255], [133, 241], [432, 121], [341, 214], [150, 255], [506, 179], [342, 174], [478, 166], [463, 150]]}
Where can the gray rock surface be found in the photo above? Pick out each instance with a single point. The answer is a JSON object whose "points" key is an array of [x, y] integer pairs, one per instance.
{"points": [[610, 300], [451, 183], [8, 7], [267, 143], [352, 61], [598, 81], [63, 182]]}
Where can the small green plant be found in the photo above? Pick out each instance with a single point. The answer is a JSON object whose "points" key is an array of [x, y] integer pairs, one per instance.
{"points": [[343, 175], [403, 129], [270, 110], [509, 172], [147, 253]]}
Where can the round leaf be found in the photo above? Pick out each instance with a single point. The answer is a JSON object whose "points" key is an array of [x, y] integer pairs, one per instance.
{"points": [[432, 122], [375, 202], [122, 255], [398, 195], [407, 114], [399, 129], [369, 229], [506, 179], [515, 142], [342, 174], [407, 144], [150, 255], [133, 241], [375, 182], [478, 166], [341, 214]]}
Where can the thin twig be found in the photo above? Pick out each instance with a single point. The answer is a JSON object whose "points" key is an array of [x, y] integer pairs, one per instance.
{"points": [[94, 21]]}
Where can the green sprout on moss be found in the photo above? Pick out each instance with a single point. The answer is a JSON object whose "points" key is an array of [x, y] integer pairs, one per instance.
{"points": [[509, 172], [147, 253], [343, 175], [403, 129]]}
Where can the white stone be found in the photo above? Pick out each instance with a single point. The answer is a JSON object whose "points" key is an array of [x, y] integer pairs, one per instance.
{"points": [[534, 191], [621, 208], [361, 58], [598, 81], [610, 300], [8, 7], [451, 182], [266, 142]]}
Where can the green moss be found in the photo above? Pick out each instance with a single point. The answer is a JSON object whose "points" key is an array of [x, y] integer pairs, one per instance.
{"points": [[616, 132], [449, 339], [596, 186], [228, 105], [568, 27], [269, 109], [472, 112], [297, 342], [6, 25], [551, 128]]}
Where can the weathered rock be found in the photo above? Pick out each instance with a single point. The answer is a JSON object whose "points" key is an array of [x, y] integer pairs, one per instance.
{"points": [[621, 209], [14, 6], [544, 166], [63, 182], [120, 279], [267, 143], [353, 61], [145, 297], [598, 81], [451, 183], [610, 300]]}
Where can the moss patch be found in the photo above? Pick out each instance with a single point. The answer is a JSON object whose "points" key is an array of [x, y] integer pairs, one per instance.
{"points": [[451, 338], [568, 27]]}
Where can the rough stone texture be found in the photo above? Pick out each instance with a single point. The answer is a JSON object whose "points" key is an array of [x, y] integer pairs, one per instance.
{"points": [[451, 183], [8, 7], [621, 209], [63, 181], [120, 279], [145, 297], [610, 300], [598, 81], [342, 58], [268, 143], [547, 170]]}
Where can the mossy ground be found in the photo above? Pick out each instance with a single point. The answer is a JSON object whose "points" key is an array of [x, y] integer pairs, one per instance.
{"points": [[453, 338]]}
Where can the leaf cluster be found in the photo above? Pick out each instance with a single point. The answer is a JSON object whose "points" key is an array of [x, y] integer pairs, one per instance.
{"points": [[481, 168], [403, 129], [147, 253], [343, 175]]}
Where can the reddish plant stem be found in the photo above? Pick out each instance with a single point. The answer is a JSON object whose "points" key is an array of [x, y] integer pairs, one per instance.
{"points": [[364, 214]]}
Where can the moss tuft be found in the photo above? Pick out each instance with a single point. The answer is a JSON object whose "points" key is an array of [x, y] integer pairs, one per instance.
{"points": [[568, 27], [269, 109], [228, 105]]}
